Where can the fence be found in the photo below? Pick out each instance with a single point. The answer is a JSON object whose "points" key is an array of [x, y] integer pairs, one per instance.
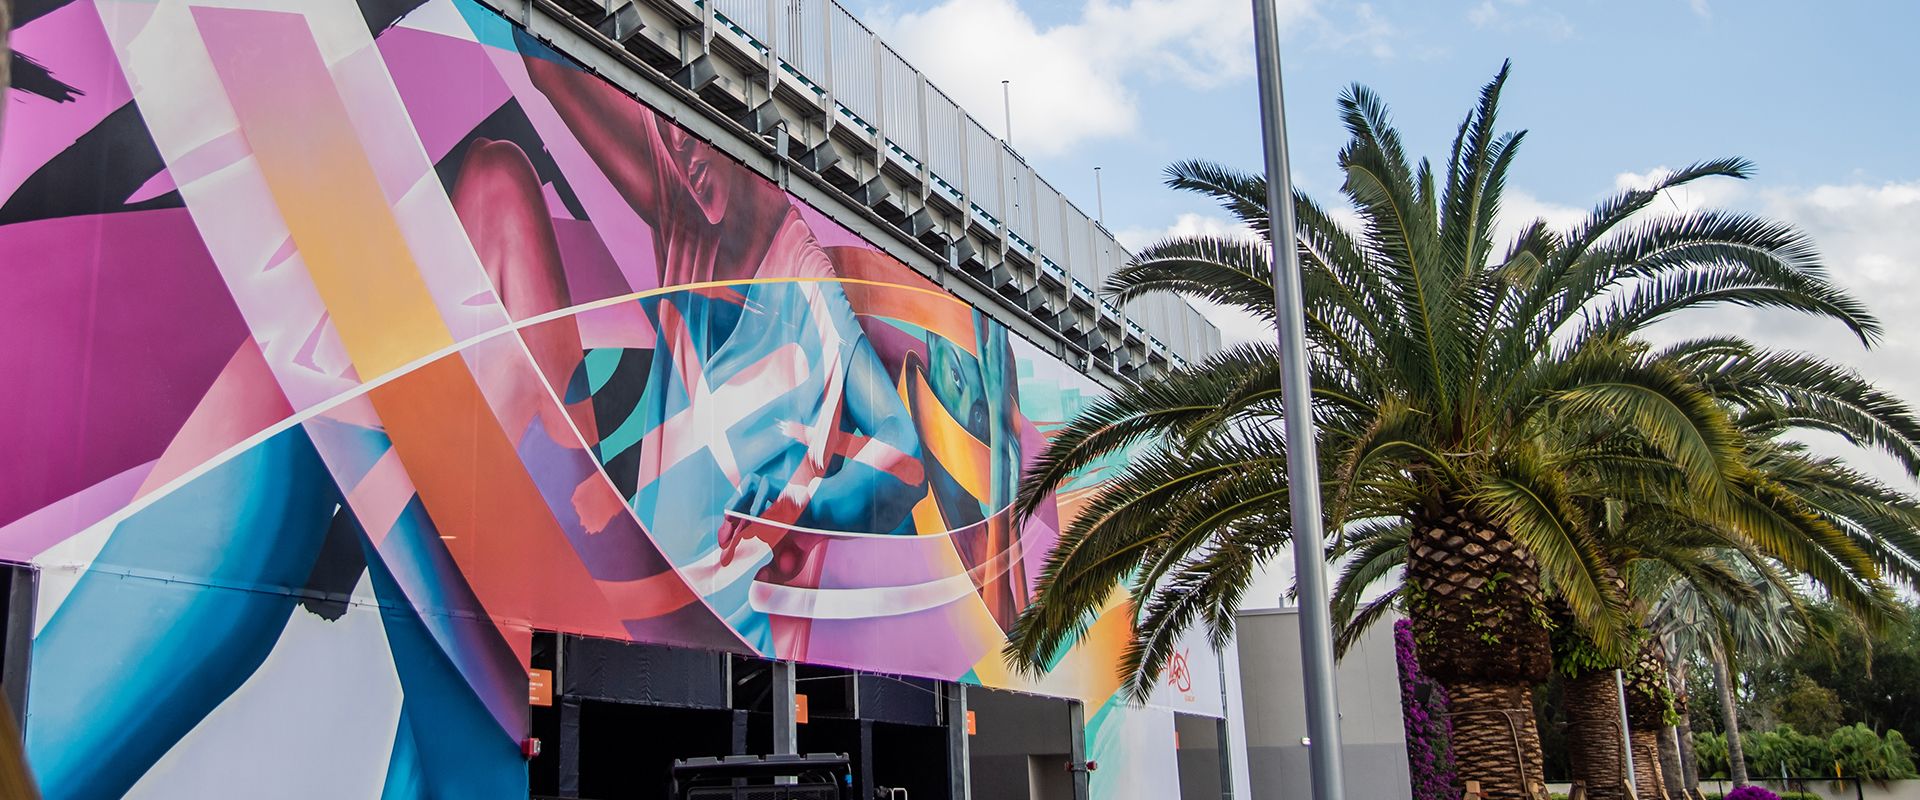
{"points": [[861, 82]]}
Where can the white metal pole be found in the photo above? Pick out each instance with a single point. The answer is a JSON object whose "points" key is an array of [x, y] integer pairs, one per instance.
{"points": [[1303, 472], [1006, 103], [1099, 196], [1626, 731]]}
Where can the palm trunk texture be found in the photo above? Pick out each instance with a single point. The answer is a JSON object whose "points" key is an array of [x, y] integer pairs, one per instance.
{"points": [[1646, 764], [1730, 717], [1476, 610], [1672, 781], [1683, 732], [1594, 744], [1647, 709]]}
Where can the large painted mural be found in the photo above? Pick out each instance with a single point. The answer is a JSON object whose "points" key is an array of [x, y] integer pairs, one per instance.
{"points": [[348, 344]]}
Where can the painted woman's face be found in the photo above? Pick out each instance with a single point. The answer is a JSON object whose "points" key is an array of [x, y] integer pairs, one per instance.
{"points": [[706, 174], [954, 376]]}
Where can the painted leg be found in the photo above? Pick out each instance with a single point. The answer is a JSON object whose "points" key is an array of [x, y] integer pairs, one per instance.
{"points": [[130, 663]]}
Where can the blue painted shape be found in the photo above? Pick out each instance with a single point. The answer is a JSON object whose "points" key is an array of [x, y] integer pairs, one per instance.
{"points": [[142, 658]]}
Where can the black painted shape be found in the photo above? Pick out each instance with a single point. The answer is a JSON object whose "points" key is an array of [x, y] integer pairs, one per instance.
{"points": [[30, 77], [95, 175], [382, 14], [337, 570]]}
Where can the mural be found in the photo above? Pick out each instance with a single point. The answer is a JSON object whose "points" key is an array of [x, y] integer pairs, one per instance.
{"points": [[351, 343]]}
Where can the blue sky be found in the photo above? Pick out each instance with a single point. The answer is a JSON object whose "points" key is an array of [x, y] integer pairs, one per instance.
{"points": [[1819, 95], [1816, 93]]}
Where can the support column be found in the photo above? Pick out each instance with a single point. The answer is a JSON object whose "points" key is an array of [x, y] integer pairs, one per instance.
{"points": [[1077, 741], [17, 644], [741, 724], [864, 780], [959, 760], [786, 732]]}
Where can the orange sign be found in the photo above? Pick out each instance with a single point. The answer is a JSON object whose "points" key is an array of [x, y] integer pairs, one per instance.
{"points": [[540, 687], [972, 728], [800, 709]]}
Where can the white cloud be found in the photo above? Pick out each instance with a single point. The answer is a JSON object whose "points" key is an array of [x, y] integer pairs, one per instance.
{"points": [[1870, 245], [1236, 327], [1184, 225], [1518, 15], [1700, 8], [1077, 80]]}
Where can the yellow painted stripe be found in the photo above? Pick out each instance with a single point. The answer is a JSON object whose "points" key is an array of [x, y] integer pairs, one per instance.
{"points": [[297, 125]]}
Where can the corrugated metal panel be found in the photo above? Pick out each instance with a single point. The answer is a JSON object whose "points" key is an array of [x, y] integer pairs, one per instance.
{"points": [[753, 16], [806, 45], [855, 82], [900, 103], [983, 168], [944, 122]]}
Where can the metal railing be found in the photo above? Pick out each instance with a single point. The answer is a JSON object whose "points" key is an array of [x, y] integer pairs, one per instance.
{"points": [[822, 51]]}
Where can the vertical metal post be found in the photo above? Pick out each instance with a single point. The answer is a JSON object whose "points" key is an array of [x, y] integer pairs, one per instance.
{"points": [[1006, 101], [879, 104], [925, 150], [786, 732], [16, 648], [773, 48], [1077, 749], [1303, 473], [959, 759], [1626, 731], [706, 26], [826, 47], [1100, 197]]}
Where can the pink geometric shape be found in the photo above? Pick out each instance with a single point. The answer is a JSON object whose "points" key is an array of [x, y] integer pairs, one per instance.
{"points": [[118, 325]]}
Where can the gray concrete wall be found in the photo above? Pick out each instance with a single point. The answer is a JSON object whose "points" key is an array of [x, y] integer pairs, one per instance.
{"points": [[1374, 739], [1020, 743], [1199, 757]]}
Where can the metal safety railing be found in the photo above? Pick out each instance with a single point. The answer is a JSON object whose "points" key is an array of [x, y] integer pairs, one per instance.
{"points": [[822, 51]]}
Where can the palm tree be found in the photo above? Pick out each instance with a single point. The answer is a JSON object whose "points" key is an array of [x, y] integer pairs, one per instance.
{"points": [[1437, 362], [1691, 622]]}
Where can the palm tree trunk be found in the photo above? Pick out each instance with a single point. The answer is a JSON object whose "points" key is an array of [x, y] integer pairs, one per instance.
{"points": [[1649, 701], [1495, 740], [1669, 748], [1646, 763], [1689, 764], [1475, 605], [1736, 754], [1594, 744]]}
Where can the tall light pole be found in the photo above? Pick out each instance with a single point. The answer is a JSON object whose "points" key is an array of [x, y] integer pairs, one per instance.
{"points": [[1303, 472], [1100, 198], [1006, 104]]}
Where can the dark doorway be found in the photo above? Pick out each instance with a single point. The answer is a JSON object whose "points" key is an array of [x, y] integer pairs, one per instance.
{"points": [[911, 757], [1197, 744], [1021, 747]]}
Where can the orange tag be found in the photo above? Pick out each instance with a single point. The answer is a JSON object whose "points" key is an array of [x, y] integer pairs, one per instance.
{"points": [[1176, 740], [540, 687], [800, 709], [972, 726]]}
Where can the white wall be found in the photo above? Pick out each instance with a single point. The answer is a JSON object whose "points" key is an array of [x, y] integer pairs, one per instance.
{"points": [[1373, 749]]}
